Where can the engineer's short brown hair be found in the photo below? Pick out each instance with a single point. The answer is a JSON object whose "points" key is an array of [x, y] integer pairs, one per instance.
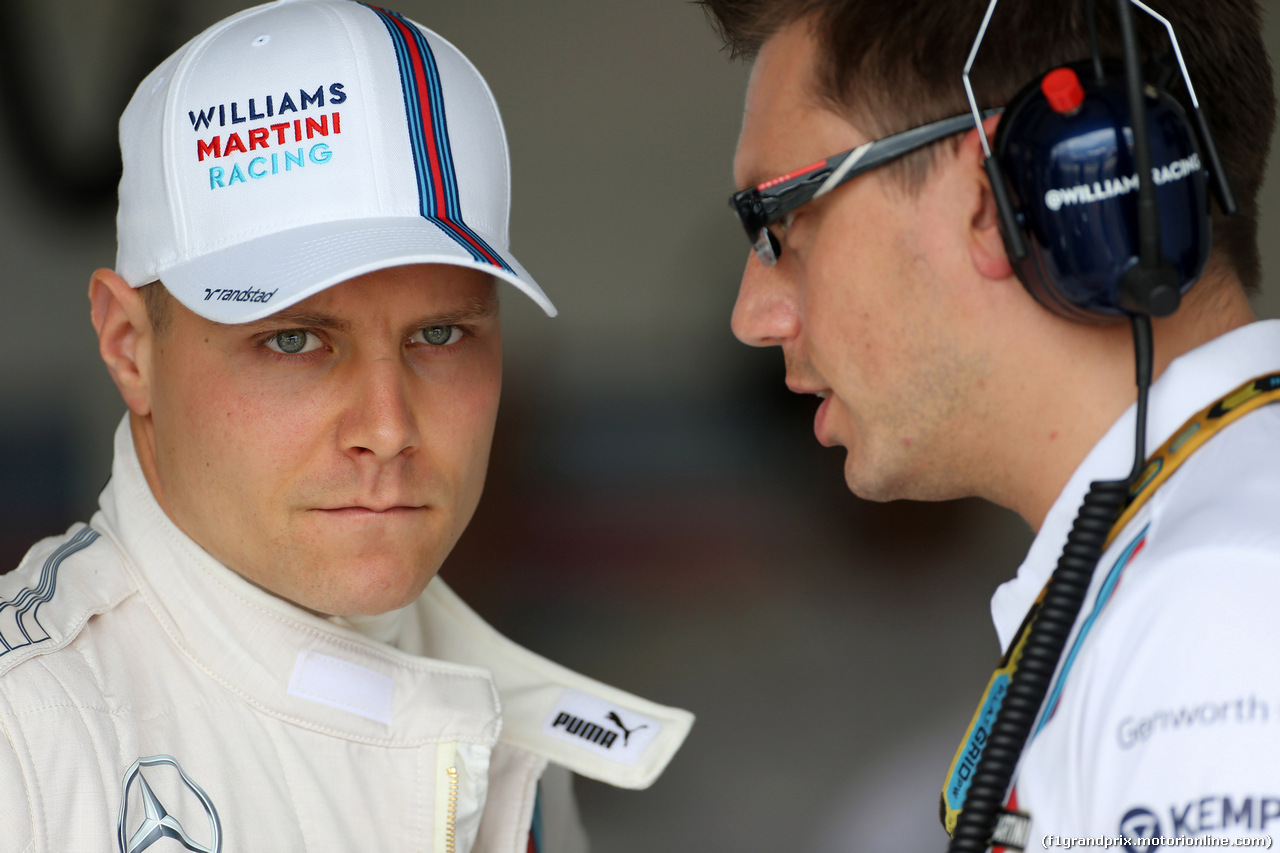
{"points": [[889, 65]]}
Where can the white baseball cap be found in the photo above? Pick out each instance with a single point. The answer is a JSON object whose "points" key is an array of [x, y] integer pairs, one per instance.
{"points": [[301, 143]]}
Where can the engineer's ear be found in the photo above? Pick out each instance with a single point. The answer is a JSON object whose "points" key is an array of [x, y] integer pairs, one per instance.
{"points": [[125, 337], [986, 246]]}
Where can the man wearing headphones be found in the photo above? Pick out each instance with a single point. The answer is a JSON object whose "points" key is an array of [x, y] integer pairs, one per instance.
{"points": [[880, 269], [247, 647]]}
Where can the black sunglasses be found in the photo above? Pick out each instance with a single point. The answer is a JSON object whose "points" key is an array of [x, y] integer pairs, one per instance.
{"points": [[765, 204]]}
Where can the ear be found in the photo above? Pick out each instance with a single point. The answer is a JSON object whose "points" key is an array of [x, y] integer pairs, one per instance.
{"points": [[986, 246], [125, 337]]}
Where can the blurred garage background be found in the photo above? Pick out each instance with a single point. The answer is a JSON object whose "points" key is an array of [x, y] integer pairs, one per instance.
{"points": [[658, 514]]}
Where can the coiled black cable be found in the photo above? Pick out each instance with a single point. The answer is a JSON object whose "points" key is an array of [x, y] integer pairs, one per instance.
{"points": [[1048, 634], [1027, 689]]}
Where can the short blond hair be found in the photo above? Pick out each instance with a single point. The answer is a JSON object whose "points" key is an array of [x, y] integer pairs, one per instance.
{"points": [[159, 304]]}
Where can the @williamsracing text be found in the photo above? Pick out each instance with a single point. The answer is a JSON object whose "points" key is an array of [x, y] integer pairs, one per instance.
{"points": [[1155, 843]]}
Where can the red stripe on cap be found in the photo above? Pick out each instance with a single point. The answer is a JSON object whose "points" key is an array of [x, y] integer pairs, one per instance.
{"points": [[457, 229], [424, 102], [433, 151]]}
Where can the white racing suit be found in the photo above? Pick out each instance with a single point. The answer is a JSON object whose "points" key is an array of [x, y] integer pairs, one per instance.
{"points": [[151, 698]]}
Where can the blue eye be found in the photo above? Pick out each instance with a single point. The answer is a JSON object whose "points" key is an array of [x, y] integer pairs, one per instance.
{"points": [[293, 342], [439, 336]]}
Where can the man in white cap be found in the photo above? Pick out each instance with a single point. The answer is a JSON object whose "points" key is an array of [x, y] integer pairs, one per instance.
{"points": [[245, 648]]}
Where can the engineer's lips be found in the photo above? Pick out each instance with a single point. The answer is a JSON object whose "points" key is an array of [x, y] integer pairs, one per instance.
{"points": [[821, 429]]}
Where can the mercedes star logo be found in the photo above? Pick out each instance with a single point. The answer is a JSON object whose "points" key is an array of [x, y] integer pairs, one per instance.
{"points": [[157, 821]]}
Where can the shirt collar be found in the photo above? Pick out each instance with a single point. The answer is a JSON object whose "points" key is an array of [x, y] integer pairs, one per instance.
{"points": [[1191, 382]]}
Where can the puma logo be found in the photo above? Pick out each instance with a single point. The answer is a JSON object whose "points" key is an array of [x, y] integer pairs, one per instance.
{"points": [[606, 728], [613, 717]]}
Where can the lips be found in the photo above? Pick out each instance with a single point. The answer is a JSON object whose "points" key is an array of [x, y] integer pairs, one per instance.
{"points": [[375, 511], [821, 429], [798, 387]]}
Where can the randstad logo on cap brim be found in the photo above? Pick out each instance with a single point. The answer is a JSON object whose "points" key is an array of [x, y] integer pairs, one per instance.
{"points": [[284, 138]]}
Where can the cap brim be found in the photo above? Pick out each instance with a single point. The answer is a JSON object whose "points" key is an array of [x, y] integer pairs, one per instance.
{"points": [[255, 279]]}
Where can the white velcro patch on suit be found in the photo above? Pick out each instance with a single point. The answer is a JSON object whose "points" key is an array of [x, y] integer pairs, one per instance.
{"points": [[344, 685], [604, 728]]}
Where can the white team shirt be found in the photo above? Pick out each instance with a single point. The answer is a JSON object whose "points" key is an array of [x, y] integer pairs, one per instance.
{"points": [[1166, 718], [152, 699]]}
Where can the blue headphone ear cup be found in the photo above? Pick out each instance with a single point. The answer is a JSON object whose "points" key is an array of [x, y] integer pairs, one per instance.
{"points": [[1072, 181]]}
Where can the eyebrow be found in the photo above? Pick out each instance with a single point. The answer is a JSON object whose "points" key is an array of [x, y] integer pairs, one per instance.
{"points": [[756, 177], [474, 308], [305, 320]]}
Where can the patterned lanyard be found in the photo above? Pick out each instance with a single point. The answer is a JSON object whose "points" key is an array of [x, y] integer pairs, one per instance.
{"points": [[1199, 429]]}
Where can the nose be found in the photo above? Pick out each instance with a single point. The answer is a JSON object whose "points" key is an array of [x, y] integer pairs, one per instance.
{"points": [[766, 313], [379, 422]]}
